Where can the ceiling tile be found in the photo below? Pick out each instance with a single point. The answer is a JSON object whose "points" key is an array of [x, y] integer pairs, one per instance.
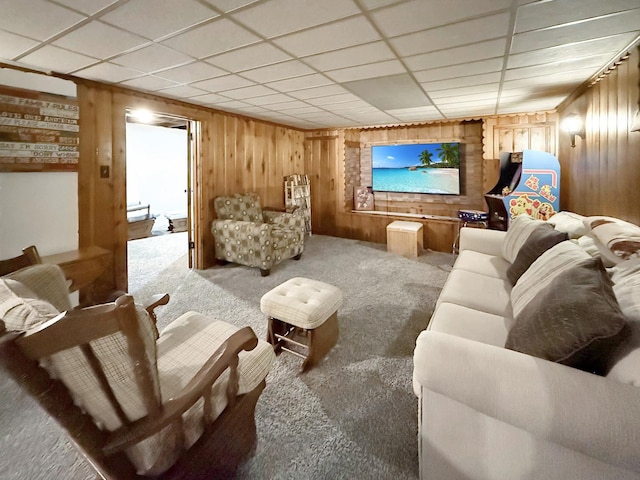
{"points": [[45, 19], [577, 32], [476, 99], [318, 92], [88, 7], [57, 59], [355, 105], [466, 81], [182, 91], [228, 82], [215, 37], [341, 34], [348, 57], [463, 33], [574, 77], [152, 58], [249, 92], [295, 111], [12, 45], [99, 40], [289, 106], [191, 72], [471, 68], [253, 56], [331, 99], [411, 110], [553, 69], [108, 72], [278, 17], [381, 69], [545, 14], [608, 45], [299, 83], [455, 56], [161, 17], [279, 71], [208, 99], [419, 15], [229, 5], [372, 4], [461, 91], [269, 99], [149, 82]]}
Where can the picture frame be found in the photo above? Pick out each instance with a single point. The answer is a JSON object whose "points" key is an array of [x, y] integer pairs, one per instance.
{"points": [[363, 198]]}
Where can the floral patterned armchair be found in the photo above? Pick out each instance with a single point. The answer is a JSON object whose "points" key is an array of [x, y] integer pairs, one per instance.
{"points": [[248, 235]]}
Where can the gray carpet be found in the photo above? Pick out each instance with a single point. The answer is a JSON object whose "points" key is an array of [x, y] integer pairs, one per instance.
{"points": [[354, 416]]}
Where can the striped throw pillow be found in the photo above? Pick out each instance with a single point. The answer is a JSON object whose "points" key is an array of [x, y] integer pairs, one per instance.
{"points": [[519, 230]]}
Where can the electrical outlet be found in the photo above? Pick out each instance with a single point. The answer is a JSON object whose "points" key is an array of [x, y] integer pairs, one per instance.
{"points": [[104, 171]]}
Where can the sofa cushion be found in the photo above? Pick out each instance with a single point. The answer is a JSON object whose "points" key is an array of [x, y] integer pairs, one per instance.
{"points": [[616, 239], [490, 265], [519, 230], [626, 287], [472, 324], [554, 261], [20, 309], [570, 223], [574, 320], [541, 239], [477, 291]]}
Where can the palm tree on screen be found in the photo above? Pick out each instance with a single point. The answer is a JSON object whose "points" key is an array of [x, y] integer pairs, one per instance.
{"points": [[425, 158], [448, 154]]}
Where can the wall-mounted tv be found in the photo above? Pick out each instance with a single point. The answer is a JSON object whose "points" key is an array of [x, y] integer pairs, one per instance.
{"points": [[417, 168]]}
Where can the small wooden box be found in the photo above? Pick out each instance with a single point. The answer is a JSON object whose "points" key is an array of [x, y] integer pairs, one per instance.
{"points": [[404, 238]]}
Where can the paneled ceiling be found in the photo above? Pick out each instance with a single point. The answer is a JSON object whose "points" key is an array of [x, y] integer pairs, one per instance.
{"points": [[330, 63]]}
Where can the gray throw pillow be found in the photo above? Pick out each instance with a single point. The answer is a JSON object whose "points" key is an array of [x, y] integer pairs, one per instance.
{"points": [[539, 241], [575, 320]]}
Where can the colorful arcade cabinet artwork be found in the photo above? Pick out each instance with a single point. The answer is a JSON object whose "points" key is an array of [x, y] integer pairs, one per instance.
{"points": [[529, 183]]}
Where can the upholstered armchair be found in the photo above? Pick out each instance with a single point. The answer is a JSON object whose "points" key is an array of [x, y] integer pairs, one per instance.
{"points": [[178, 403], [247, 235]]}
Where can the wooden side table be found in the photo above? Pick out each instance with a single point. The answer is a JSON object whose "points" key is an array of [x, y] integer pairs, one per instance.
{"points": [[404, 238], [82, 266]]}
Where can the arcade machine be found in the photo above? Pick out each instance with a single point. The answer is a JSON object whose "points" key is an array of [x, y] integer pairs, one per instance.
{"points": [[529, 183]]}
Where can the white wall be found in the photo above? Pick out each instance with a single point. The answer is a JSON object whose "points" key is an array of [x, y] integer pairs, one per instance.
{"points": [[157, 167], [36, 208]]}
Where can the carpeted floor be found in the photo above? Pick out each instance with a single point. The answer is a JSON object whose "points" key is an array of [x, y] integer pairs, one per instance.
{"points": [[354, 416]]}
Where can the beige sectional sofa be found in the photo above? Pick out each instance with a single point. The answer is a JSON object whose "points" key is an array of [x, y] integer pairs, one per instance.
{"points": [[533, 409]]}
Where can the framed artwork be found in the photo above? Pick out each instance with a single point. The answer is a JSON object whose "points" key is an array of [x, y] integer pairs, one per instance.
{"points": [[363, 198]]}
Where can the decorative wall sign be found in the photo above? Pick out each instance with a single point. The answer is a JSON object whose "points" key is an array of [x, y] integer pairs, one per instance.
{"points": [[38, 131]]}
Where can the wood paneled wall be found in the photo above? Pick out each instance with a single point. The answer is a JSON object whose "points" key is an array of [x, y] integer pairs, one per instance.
{"points": [[601, 175], [236, 154]]}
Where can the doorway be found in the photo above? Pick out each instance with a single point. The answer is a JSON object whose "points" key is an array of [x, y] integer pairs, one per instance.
{"points": [[159, 153]]}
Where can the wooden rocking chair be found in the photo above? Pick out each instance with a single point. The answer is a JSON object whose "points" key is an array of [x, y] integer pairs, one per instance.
{"points": [[175, 405]]}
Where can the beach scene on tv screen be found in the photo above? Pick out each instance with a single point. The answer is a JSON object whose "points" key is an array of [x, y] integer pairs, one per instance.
{"points": [[417, 168]]}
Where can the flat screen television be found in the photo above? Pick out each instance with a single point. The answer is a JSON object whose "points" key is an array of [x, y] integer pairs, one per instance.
{"points": [[417, 168]]}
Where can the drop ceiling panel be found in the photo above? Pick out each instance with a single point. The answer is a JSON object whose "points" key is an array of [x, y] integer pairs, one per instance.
{"points": [[555, 69], [394, 91], [219, 84], [192, 72], [149, 82], [348, 57], [341, 34], [381, 69], [269, 99], [455, 56], [100, 40], [279, 17], [215, 37], [108, 72], [209, 99], [45, 19], [249, 92], [471, 68], [420, 14], [152, 58], [54, 58], [288, 107], [318, 92], [161, 16], [12, 45], [229, 5], [300, 83], [539, 15], [88, 7], [278, 71], [473, 90], [253, 56], [463, 33], [463, 81], [182, 91], [332, 99]]}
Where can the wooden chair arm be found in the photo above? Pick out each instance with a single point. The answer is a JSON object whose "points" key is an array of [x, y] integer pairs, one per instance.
{"points": [[226, 356], [156, 301]]}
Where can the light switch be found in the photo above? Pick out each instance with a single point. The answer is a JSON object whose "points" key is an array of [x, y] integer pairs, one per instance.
{"points": [[104, 171]]}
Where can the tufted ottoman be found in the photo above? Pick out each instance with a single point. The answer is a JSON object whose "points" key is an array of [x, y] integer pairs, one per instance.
{"points": [[303, 318]]}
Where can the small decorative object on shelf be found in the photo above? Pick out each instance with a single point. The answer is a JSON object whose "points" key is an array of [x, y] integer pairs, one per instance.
{"points": [[297, 197], [363, 198]]}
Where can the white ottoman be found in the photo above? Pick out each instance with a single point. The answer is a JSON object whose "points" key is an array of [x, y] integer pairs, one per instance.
{"points": [[303, 318]]}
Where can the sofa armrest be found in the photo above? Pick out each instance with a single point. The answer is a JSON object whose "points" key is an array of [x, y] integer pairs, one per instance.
{"points": [[482, 240], [292, 220], [569, 407], [243, 228]]}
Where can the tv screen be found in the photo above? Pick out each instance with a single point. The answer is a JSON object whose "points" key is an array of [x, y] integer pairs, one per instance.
{"points": [[417, 168]]}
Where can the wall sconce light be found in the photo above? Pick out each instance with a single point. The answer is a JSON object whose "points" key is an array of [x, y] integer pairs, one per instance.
{"points": [[635, 126], [572, 124]]}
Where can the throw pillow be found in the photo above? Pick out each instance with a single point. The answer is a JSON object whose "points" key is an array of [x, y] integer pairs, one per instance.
{"points": [[21, 312], [543, 270], [540, 240], [519, 230], [616, 239], [575, 320], [569, 222]]}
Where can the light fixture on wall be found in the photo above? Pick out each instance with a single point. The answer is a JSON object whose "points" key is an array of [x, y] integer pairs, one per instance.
{"points": [[635, 126], [572, 124]]}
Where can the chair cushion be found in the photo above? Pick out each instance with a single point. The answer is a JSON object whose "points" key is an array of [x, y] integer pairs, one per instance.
{"points": [[574, 320], [541, 239], [20, 309], [245, 207], [519, 230], [47, 282]]}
